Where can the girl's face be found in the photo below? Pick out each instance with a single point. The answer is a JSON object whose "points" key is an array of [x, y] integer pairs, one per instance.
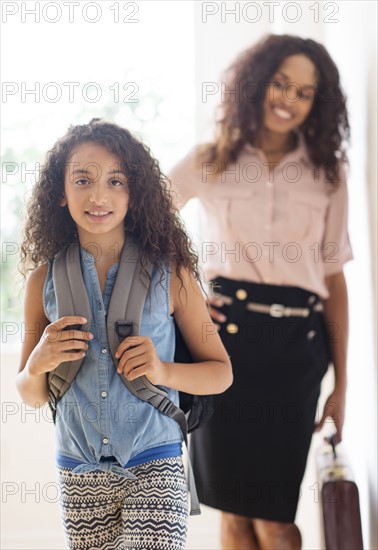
{"points": [[290, 94], [96, 191]]}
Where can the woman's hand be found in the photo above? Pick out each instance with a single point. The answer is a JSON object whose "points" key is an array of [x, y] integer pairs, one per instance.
{"points": [[334, 408], [214, 302], [138, 357], [58, 344]]}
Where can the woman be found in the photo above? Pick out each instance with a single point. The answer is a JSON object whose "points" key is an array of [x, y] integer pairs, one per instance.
{"points": [[273, 199]]}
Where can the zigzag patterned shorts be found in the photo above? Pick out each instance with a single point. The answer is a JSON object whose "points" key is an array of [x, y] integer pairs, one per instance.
{"points": [[104, 511]]}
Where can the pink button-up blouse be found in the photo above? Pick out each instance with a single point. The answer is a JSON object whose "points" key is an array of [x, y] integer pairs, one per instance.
{"points": [[280, 225]]}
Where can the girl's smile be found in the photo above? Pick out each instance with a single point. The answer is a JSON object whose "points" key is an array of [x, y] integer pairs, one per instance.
{"points": [[98, 216]]}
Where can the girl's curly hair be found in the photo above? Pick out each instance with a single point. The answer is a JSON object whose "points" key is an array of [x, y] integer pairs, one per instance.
{"points": [[326, 128], [152, 218]]}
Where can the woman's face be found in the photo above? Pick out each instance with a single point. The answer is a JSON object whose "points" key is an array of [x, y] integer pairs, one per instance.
{"points": [[290, 94]]}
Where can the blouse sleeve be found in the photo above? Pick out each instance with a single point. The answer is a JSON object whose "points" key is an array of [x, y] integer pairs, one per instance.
{"points": [[186, 178], [336, 247]]}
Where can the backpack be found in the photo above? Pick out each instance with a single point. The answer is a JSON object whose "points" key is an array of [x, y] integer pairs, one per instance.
{"points": [[123, 319]]}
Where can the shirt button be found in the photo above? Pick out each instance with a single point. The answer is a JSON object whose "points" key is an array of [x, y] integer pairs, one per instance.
{"points": [[105, 441], [104, 350], [311, 300], [104, 394], [232, 328], [311, 334], [241, 294]]}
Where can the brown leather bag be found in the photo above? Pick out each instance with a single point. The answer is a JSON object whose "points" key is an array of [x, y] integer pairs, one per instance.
{"points": [[339, 500]]}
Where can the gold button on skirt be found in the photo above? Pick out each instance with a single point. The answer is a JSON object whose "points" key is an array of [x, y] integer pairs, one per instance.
{"points": [[241, 294], [232, 328]]}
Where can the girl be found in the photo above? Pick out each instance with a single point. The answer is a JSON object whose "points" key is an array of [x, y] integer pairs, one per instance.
{"points": [[119, 458], [272, 187]]}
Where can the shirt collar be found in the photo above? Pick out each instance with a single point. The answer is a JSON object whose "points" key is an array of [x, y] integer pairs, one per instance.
{"points": [[89, 260], [86, 256], [300, 153]]}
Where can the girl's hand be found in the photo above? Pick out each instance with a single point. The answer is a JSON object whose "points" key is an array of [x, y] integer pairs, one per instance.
{"points": [[138, 357], [58, 344], [213, 302], [335, 408]]}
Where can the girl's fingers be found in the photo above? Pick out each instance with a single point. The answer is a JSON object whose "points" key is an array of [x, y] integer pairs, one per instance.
{"points": [[135, 360], [68, 320], [134, 351], [74, 335], [71, 356], [67, 328], [126, 363], [55, 331], [64, 356], [130, 342], [73, 344], [137, 373]]}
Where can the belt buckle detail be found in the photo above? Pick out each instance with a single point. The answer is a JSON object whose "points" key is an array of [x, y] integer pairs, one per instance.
{"points": [[277, 310]]}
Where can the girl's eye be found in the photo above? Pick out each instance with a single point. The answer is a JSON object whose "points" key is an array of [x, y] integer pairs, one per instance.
{"points": [[117, 183], [277, 84], [82, 182]]}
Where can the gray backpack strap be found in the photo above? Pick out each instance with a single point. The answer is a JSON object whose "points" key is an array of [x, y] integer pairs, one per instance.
{"points": [[71, 299], [125, 311], [125, 314]]}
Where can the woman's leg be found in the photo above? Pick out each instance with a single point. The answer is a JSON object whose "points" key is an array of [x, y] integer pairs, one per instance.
{"points": [[275, 535], [237, 532], [155, 510], [91, 505]]}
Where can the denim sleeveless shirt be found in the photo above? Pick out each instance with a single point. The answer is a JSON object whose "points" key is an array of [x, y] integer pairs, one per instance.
{"points": [[98, 416]]}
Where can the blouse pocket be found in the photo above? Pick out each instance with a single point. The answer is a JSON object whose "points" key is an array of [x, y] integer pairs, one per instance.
{"points": [[234, 203], [305, 219]]}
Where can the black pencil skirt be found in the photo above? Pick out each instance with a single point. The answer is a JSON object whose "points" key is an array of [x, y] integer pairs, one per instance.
{"points": [[250, 458]]}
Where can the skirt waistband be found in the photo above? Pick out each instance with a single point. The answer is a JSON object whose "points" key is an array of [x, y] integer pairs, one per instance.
{"points": [[245, 291]]}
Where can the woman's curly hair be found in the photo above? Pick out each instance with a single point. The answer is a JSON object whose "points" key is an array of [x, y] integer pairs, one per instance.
{"points": [[326, 129], [152, 218]]}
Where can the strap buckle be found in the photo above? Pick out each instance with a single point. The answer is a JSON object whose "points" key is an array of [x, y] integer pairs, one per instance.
{"points": [[277, 310], [166, 406], [125, 328]]}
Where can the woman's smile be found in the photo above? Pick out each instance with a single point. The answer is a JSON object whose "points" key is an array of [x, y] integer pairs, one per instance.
{"points": [[282, 114]]}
